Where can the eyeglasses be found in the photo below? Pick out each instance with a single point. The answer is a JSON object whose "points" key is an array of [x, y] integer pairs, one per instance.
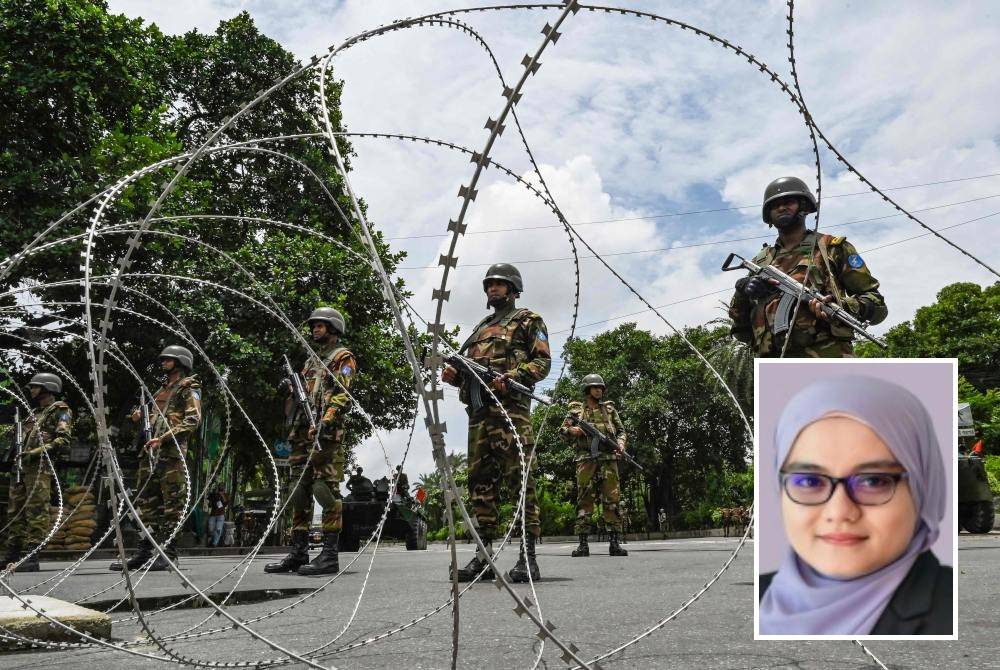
{"points": [[864, 488]]}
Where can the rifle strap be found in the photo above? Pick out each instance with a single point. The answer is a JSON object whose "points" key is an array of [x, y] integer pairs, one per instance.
{"points": [[824, 252], [503, 319], [607, 420]]}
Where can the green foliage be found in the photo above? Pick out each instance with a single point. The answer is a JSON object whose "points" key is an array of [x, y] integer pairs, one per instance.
{"points": [[89, 97], [993, 472]]}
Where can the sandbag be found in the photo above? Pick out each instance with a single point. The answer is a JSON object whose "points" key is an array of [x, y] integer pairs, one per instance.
{"points": [[79, 546]]}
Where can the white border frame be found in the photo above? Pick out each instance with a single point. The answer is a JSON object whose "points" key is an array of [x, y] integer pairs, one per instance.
{"points": [[953, 498]]}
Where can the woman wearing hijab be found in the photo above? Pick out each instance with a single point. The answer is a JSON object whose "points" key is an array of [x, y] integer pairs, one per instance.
{"points": [[863, 492]]}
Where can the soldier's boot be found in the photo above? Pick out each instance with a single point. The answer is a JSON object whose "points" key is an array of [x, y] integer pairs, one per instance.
{"points": [[160, 564], [525, 562], [143, 552], [615, 549], [296, 558], [13, 553], [477, 565], [327, 562], [583, 549]]}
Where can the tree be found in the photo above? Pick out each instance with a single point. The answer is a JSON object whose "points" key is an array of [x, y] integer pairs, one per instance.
{"points": [[90, 97], [962, 323]]}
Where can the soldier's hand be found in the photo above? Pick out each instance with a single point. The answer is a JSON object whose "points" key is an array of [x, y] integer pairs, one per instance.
{"points": [[759, 287], [620, 450], [817, 307], [500, 383], [153, 444], [312, 433], [449, 375], [135, 415], [576, 431]]}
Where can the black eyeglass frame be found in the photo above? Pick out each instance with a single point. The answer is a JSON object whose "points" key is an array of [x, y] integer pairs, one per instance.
{"points": [[895, 476]]}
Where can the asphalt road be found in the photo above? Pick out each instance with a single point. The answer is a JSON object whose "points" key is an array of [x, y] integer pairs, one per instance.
{"points": [[595, 603]]}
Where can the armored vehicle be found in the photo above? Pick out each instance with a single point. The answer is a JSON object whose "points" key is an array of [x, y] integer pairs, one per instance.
{"points": [[975, 500], [363, 508]]}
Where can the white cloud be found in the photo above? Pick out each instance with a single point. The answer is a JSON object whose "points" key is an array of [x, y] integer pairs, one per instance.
{"points": [[633, 118]]}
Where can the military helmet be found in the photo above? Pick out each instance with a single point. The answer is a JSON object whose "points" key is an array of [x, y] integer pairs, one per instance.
{"points": [[504, 272], [591, 380], [47, 381], [180, 354], [785, 186], [330, 317]]}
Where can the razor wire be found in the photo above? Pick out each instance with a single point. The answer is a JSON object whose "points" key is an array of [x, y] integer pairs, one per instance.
{"points": [[100, 344]]}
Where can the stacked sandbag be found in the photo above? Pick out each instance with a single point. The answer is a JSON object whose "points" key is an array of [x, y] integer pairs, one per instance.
{"points": [[58, 539], [82, 522]]}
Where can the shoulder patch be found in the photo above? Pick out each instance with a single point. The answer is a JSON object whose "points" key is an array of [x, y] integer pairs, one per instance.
{"points": [[575, 404], [837, 240], [347, 370], [64, 416], [542, 336], [855, 261]]}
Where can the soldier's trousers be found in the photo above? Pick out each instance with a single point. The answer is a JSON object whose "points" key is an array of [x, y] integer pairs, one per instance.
{"points": [[595, 476], [29, 501], [321, 479], [163, 490], [493, 460]]}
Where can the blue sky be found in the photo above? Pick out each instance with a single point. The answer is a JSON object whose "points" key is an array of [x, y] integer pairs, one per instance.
{"points": [[632, 119]]}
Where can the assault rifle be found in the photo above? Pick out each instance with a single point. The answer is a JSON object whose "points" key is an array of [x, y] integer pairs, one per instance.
{"points": [[145, 427], [792, 292], [16, 446], [597, 438], [299, 397], [474, 373]]}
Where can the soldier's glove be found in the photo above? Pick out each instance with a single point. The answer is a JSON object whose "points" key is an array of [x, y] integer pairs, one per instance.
{"points": [[754, 287]]}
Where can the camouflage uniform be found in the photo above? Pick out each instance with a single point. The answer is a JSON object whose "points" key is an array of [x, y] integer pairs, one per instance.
{"points": [[835, 269], [514, 341], [324, 472], [48, 429], [161, 481], [600, 471]]}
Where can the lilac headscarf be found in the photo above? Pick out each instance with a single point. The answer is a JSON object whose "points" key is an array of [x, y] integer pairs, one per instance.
{"points": [[801, 601]]}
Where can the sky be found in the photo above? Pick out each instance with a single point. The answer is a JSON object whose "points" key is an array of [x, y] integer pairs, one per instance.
{"points": [[634, 124]]}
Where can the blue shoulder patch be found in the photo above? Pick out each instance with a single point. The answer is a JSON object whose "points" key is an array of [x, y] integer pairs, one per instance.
{"points": [[855, 261], [542, 336], [64, 416], [196, 395], [346, 371]]}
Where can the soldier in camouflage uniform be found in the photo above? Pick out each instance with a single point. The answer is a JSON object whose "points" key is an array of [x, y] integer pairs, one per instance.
{"points": [[327, 377], [48, 430], [514, 342], [834, 268], [161, 483], [600, 472]]}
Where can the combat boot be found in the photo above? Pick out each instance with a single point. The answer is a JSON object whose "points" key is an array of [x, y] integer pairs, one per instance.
{"points": [[13, 553], [143, 552], [615, 549], [160, 564], [476, 565], [296, 558], [583, 549], [525, 562], [326, 563]]}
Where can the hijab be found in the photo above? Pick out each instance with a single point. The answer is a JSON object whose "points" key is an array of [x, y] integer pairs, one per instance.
{"points": [[800, 600]]}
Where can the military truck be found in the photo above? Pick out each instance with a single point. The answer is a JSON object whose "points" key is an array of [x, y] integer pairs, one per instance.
{"points": [[363, 508], [975, 500]]}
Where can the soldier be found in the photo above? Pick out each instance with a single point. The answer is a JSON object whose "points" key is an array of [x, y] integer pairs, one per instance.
{"points": [[402, 484], [514, 342], [361, 487], [161, 481], [599, 472], [48, 429], [834, 267], [327, 377]]}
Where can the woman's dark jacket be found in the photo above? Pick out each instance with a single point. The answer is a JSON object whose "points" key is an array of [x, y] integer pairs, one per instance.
{"points": [[921, 605]]}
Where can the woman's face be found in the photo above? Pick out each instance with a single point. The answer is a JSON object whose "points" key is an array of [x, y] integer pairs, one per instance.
{"points": [[840, 538]]}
